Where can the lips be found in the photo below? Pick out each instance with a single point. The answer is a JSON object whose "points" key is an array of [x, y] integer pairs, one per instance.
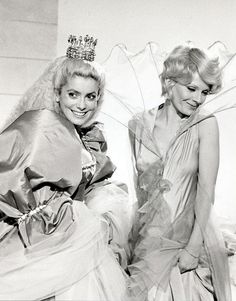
{"points": [[79, 114], [192, 105]]}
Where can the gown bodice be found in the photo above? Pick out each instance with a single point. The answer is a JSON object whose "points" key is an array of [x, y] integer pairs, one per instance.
{"points": [[177, 167]]}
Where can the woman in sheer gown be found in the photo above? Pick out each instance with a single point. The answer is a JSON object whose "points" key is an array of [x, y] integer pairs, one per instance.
{"points": [[178, 252]]}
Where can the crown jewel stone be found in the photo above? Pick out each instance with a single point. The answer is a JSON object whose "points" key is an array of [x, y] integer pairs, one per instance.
{"points": [[81, 48]]}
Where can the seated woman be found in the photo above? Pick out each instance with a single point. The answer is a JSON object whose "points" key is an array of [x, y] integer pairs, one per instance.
{"points": [[63, 225], [178, 253]]}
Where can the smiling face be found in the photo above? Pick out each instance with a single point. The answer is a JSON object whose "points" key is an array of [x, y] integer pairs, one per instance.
{"points": [[187, 98], [78, 99]]}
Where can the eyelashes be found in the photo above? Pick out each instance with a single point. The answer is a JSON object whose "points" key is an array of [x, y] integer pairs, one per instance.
{"points": [[193, 89], [90, 97]]}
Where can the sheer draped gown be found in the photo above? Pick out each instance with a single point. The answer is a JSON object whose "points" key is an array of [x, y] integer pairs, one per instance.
{"points": [[169, 200]]}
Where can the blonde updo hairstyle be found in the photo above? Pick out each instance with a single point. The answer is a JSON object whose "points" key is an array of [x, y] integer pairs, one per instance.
{"points": [[182, 63], [70, 68]]}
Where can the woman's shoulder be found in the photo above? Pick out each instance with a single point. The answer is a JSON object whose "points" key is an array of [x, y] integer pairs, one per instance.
{"points": [[145, 119], [208, 121], [208, 127], [38, 119], [40, 128]]}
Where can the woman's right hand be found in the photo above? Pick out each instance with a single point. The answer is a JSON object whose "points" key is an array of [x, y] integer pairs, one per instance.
{"points": [[187, 262]]}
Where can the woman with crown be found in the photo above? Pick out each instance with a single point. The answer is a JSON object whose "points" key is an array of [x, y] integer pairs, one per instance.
{"points": [[178, 253], [64, 225]]}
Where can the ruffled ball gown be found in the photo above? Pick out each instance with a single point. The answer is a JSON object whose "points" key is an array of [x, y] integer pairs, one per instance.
{"points": [[64, 225]]}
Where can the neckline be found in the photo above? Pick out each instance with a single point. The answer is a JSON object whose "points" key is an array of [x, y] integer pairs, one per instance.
{"points": [[150, 120]]}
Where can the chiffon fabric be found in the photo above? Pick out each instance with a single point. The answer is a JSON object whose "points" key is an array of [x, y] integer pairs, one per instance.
{"points": [[64, 224], [171, 197], [133, 86]]}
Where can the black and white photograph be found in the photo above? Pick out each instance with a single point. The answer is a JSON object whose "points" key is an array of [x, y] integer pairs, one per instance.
{"points": [[117, 150]]}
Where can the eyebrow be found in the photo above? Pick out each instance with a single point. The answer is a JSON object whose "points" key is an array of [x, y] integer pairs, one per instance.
{"points": [[195, 86], [72, 90], [76, 91]]}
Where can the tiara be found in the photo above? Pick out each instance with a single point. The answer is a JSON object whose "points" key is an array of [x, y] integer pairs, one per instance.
{"points": [[82, 49]]}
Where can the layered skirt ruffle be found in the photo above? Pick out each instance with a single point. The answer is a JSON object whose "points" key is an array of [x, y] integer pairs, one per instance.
{"points": [[72, 265]]}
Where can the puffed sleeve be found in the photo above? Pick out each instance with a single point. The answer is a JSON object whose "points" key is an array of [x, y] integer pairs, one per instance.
{"points": [[38, 173]]}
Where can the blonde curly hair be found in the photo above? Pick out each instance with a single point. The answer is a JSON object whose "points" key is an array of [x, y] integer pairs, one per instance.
{"points": [[183, 62]]}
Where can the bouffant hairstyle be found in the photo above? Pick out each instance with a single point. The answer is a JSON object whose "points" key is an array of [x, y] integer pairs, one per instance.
{"points": [[183, 62], [70, 68]]}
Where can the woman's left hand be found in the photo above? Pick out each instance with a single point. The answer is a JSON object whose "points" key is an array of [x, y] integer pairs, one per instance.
{"points": [[187, 262]]}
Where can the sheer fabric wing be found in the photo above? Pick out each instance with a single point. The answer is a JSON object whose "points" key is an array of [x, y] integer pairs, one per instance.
{"points": [[133, 85]]}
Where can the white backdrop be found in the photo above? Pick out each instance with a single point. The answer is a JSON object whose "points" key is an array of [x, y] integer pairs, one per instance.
{"points": [[136, 22]]}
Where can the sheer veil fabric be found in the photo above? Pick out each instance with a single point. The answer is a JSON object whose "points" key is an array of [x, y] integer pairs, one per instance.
{"points": [[133, 86]]}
